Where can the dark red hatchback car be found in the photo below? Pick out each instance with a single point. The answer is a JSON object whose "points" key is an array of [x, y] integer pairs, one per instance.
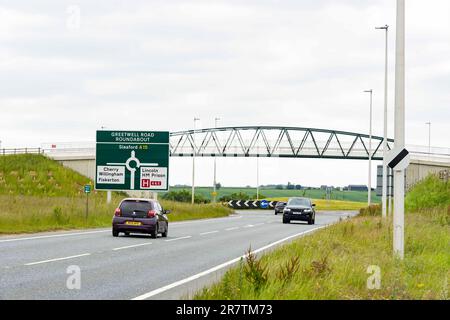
{"points": [[140, 216]]}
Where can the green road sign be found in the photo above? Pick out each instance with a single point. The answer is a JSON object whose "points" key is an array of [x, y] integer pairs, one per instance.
{"points": [[87, 188], [132, 160]]}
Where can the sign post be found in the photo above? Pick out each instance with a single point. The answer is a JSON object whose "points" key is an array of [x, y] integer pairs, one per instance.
{"points": [[132, 160], [399, 178], [87, 190]]}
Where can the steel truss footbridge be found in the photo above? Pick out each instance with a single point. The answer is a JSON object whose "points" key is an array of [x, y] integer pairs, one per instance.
{"points": [[281, 142], [258, 141]]}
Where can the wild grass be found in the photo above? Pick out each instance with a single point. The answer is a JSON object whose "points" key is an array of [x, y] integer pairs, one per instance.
{"points": [[37, 175], [333, 264], [429, 193]]}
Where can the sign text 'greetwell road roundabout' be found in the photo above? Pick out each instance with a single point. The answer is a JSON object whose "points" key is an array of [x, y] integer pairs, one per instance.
{"points": [[132, 160]]}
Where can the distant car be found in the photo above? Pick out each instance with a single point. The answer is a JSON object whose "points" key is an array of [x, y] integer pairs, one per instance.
{"points": [[279, 207], [299, 209], [140, 216]]}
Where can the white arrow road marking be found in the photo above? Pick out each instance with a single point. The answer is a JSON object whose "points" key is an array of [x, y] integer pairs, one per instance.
{"points": [[214, 269], [133, 246], [57, 259], [187, 237]]}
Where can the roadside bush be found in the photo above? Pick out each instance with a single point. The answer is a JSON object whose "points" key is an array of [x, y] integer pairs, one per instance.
{"points": [[373, 210], [235, 196], [184, 196], [240, 196], [255, 271]]}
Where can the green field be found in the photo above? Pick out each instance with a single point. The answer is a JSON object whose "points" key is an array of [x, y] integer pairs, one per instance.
{"points": [[356, 196], [38, 194], [333, 263]]}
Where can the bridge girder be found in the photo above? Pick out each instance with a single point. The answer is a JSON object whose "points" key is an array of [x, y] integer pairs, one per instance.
{"points": [[281, 142]]}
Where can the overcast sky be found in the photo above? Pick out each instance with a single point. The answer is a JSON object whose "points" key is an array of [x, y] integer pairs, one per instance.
{"points": [[67, 68]]}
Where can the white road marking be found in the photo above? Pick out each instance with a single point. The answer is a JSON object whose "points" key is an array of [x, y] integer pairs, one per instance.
{"points": [[249, 226], [223, 265], [57, 259], [210, 232], [54, 236], [132, 246], [187, 237], [258, 224], [231, 229]]}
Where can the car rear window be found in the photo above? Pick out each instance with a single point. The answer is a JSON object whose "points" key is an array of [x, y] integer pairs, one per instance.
{"points": [[129, 206], [299, 202]]}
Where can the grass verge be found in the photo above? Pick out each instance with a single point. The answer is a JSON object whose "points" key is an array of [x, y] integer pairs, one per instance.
{"points": [[333, 264], [25, 214]]}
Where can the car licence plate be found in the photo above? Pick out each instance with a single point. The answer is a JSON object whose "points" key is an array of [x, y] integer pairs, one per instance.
{"points": [[133, 223]]}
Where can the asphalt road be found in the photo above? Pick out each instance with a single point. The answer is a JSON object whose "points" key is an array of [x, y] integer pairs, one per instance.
{"points": [[194, 254]]}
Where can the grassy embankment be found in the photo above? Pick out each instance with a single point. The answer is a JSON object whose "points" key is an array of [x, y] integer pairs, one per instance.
{"points": [[38, 194], [333, 262]]}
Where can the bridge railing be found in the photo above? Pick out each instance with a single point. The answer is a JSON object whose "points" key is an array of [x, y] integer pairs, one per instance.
{"points": [[10, 151]]}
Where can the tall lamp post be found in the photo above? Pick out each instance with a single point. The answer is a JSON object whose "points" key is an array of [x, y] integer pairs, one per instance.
{"points": [[194, 151], [399, 175], [215, 181], [257, 173], [385, 130], [369, 187], [429, 137]]}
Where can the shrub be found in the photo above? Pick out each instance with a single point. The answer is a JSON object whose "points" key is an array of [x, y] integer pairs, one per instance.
{"points": [[184, 196], [373, 210], [255, 271]]}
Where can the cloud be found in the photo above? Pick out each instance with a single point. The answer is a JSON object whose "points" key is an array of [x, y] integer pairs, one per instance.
{"points": [[158, 64]]}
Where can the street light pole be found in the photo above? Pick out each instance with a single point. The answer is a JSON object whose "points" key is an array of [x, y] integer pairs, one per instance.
{"points": [[215, 182], [399, 175], [257, 173], [384, 184], [194, 151], [429, 137], [369, 187]]}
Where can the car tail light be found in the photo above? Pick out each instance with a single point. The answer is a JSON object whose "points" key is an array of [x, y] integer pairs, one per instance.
{"points": [[151, 214], [117, 213]]}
